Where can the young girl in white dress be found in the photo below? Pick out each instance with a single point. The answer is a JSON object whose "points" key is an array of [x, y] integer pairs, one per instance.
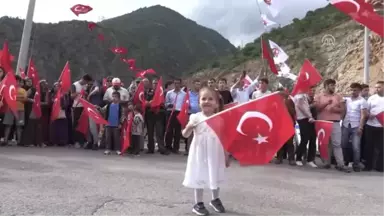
{"points": [[207, 159]]}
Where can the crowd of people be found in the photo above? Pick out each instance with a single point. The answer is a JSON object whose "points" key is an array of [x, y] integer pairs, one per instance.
{"points": [[356, 140]]}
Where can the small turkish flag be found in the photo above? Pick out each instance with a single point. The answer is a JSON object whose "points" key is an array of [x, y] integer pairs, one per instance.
{"points": [[158, 97], [83, 124], [8, 89], [268, 56], [56, 106], [81, 9], [92, 112], [323, 131], [91, 26], [380, 118], [119, 50], [252, 132], [183, 114], [127, 136], [6, 58], [65, 79], [36, 106], [22, 73], [362, 12], [32, 72], [307, 78], [139, 94]]}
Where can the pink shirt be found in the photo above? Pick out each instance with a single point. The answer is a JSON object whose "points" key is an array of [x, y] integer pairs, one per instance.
{"points": [[327, 114]]}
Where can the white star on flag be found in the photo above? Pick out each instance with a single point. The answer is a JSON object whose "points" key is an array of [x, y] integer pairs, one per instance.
{"points": [[279, 55], [261, 139], [267, 22]]}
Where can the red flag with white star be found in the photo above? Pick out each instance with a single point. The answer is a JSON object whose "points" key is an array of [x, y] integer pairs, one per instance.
{"points": [[362, 12], [119, 50], [81, 9], [323, 131], [126, 142], [308, 77], [8, 89], [252, 132], [183, 114], [32, 72], [36, 106], [158, 97], [92, 112], [65, 79]]}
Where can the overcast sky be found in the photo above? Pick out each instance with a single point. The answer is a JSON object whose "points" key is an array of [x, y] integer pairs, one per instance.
{"points": [[237, 20]]}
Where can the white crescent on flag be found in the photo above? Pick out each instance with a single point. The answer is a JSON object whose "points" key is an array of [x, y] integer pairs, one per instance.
{"points": [[253, 114], [357, 5], [11, 96]]}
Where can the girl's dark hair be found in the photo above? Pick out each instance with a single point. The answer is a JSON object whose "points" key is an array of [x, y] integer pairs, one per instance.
{"points": [[217, 96]]}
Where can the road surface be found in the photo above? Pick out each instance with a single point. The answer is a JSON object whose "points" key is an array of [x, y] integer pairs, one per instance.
{"points": [[62, 181]]}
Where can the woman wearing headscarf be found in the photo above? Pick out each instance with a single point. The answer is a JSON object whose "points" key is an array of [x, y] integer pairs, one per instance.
{"points": [[32, 131]]}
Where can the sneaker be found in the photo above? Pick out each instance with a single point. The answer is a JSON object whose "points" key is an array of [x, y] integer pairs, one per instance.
{"points": [[77, 145], [356, 169], [107, 152], [327, 166], [292, 163], [312, 164], [343, 169], [199, 209], [299, 163], [118, 152], [278, 161], [217, 205]]}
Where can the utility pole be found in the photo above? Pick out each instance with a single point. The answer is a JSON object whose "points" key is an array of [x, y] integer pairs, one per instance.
{"points": [[26, 37], [366, 54]]}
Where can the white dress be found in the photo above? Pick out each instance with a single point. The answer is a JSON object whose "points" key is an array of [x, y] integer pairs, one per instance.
{"points": [[206, 159]]}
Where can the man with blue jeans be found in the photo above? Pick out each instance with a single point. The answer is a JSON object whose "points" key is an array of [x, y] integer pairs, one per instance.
{"points": [[353, 124]]}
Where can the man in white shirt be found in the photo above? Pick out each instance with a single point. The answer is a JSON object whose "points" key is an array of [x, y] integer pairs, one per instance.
{"points": [[116, 86], [374, 130], [78, 91], [240, 94], [353, 125], [174, 100], [307, 130], [263, 89]]}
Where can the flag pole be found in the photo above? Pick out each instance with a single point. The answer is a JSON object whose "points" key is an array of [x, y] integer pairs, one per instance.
{"points": [[366, 54], [264, 68], [26, 37]]}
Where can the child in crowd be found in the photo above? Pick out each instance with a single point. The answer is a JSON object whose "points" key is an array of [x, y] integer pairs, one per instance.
{"points": [[137, 130], [114, 115], [207, 159]]}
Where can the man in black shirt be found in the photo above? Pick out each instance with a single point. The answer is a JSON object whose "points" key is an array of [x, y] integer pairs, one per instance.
{"points": [[225, 94], [154, 118]]}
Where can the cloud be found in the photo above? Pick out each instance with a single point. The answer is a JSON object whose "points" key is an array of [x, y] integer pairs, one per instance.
{"points": [[240, 22]]}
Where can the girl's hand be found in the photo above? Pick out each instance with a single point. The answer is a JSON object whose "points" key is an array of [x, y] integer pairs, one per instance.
{"points": [[190, 126]]}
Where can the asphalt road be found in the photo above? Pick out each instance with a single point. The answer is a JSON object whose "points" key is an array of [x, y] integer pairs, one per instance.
{"points": [[62, 181]]}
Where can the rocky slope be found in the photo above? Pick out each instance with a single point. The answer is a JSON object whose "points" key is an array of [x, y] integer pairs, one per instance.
{"points": [[339, 57]]}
